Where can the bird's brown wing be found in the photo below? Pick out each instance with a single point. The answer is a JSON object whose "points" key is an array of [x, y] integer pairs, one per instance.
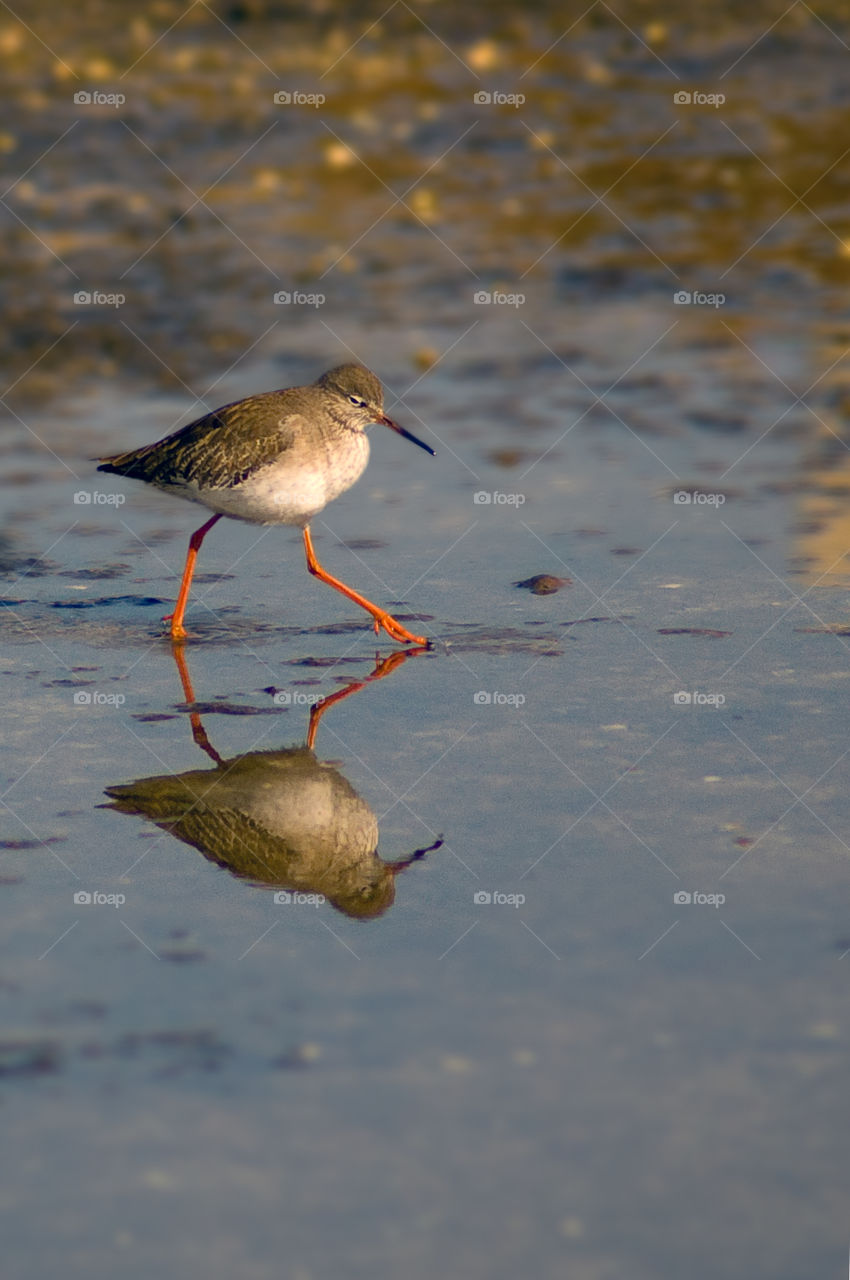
{"points": [[216, 451]]}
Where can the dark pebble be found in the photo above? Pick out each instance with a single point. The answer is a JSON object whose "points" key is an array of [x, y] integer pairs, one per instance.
{"points": [[544, 584]]}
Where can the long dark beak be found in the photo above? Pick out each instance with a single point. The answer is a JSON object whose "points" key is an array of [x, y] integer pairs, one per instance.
{"points": [[408, 435]]}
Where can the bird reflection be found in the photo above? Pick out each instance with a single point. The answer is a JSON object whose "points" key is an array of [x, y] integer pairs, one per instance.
{"points": [[281, 819]]}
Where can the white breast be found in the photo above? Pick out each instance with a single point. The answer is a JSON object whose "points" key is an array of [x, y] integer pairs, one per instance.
{"points": [[293, 488]]}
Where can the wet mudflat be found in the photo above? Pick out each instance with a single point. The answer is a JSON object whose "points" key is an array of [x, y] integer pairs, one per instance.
{"points": [[529, 952]]}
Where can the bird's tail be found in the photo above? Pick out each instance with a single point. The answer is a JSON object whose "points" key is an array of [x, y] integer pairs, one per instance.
{"points": [[133, 463]]}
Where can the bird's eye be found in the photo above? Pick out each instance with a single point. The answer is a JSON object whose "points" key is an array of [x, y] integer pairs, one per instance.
{"points": [[361, 404]]}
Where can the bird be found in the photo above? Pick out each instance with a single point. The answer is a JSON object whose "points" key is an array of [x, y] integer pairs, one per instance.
{"points": [[274, 458]]}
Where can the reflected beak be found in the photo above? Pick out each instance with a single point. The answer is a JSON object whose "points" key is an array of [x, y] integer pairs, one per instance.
{"points": [[408, 435]]}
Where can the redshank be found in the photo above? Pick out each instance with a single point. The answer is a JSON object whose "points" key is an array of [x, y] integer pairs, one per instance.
{"points": [[276, 458]]}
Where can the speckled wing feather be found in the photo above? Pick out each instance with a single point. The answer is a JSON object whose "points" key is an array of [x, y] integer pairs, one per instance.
{"points": [[219, 450]]}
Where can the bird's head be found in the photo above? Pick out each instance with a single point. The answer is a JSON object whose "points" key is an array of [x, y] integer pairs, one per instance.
{"points": [[363, 397]]}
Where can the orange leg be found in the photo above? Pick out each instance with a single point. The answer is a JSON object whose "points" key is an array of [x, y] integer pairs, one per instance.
{"points": [[176, 618], [382, 619]]}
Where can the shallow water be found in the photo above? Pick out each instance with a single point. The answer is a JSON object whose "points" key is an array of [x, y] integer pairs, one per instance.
{"points": [[521, 1052]]}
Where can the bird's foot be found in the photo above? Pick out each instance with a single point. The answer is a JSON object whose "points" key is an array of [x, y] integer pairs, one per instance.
{"points": [[178, 632], [396, 631]]}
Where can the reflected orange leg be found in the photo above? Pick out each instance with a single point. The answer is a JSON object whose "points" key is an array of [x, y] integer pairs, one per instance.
{"points": [[382, 619], [176, 618], [383, 667], [199, 733]]}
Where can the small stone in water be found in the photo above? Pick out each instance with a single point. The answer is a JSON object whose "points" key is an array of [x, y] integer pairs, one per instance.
{"points": [[544, 584]]}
